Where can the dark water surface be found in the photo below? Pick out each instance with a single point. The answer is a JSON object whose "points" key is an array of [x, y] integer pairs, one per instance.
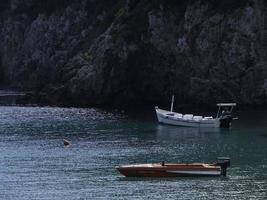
{"points": [[34, 164]]}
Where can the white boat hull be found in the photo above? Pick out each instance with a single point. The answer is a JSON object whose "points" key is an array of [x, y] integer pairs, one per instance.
{"points": [[195, 173], [172, 118]]}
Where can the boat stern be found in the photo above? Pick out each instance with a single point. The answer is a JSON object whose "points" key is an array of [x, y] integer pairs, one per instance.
{"points": [[223, 162]]}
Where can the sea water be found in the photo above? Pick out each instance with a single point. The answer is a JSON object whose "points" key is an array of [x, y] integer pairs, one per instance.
{"points": [[34, 163]]}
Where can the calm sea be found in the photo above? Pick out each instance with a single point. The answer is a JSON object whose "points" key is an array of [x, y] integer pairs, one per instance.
{"points": [[34, 164]]}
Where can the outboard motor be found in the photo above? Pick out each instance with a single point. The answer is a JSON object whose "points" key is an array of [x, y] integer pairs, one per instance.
{"points": [[223, 162], [226, 119]]}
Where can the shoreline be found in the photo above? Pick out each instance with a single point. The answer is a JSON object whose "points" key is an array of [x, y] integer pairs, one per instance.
{"points": [[136, 108], [19, 98]]}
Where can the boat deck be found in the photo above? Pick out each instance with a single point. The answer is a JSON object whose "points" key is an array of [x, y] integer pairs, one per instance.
{"points": [[173, 165]]}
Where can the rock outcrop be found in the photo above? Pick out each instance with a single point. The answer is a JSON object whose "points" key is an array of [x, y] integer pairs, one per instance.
{"points": [[97, 52]]}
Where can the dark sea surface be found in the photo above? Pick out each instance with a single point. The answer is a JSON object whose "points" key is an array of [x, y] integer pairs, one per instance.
{"points": [[34, 164]]}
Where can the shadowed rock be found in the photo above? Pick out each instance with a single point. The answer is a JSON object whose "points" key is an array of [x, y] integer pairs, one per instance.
{"points": [[136, 52]]}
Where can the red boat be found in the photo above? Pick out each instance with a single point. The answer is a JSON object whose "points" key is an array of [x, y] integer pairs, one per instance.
{"points": [[176, 170]]}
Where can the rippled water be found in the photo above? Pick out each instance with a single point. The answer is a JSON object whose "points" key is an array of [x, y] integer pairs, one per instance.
{"points": [[34, 164]]}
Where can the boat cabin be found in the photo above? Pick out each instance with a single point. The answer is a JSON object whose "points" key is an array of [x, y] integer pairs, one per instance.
{"points": [[225, 109]]}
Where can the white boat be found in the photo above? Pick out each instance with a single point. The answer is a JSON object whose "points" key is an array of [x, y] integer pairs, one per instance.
{"points": [[223, 118]]}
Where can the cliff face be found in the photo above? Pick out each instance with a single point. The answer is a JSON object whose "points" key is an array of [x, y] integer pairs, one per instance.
{"points": [[136, 52]]}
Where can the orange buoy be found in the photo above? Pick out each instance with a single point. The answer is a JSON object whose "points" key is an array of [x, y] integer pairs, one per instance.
{"points": [[66, 142]]}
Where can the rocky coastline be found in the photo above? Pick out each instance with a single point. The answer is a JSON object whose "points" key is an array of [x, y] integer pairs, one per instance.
{"points": [[132, 52]]}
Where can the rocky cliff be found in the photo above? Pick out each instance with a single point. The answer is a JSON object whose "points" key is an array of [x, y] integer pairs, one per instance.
{"points": [[102, 52]]}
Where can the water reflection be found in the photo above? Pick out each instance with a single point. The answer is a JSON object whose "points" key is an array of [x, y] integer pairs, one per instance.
{"points": [[166, 132]]}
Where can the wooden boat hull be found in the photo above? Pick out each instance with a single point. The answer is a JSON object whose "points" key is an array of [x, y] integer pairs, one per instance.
{"points": [[169, 170], [170, 118]]}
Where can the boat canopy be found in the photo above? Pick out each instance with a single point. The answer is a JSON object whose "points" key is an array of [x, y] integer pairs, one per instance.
{"points": [[226, 104]]}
